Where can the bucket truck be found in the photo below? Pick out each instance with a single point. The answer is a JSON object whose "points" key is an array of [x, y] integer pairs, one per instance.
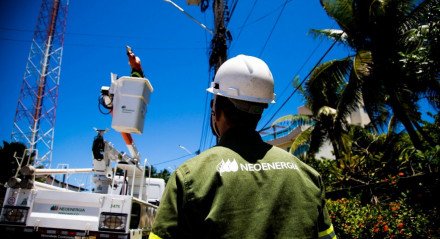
{"points": [[123, 202]]}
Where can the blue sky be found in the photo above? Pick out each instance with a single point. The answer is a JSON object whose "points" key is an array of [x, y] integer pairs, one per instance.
{"points": [[174, 53]]}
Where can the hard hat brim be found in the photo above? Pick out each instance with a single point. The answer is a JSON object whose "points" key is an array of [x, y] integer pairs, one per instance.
{"points": [[216, 92]]}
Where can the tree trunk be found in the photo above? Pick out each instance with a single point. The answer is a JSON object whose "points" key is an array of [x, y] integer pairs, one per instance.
{"points": [[424, 135], [336, 149], [400, 114]]}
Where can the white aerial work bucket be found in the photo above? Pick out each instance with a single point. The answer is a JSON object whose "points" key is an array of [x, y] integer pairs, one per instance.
{"points": [[131, 96]]}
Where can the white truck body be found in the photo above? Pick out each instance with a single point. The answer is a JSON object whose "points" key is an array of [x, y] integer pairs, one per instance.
{"points": [[123, 202], [53, 212]]}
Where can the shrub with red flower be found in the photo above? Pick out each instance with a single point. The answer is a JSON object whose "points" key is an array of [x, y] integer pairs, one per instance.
{"points": [[394, 219]]}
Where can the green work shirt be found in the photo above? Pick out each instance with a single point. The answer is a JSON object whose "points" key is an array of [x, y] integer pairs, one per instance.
{"points": [[243, 188]]}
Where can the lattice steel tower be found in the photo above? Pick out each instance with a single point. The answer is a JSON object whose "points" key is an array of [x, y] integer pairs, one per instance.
{"points": [[34, 121]]}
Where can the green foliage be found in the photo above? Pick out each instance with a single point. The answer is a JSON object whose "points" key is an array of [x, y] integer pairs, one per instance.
{"points": [[374, 158], [394, 219], [164, 173], [395, 186], [9, 164], [396, 63], [327, 168], [10, 157]]}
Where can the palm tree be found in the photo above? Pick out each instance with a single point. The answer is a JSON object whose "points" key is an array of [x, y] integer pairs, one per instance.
{"points": [[395, 63], [331, 102], [320, 128], [324, 94]]}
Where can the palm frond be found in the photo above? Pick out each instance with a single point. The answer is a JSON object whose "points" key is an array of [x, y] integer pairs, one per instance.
{"points": [[341, 11], [297, 120], [426, 11], [392, 125], [346, 143], [326, 82], [302, 139], [351, 97], [421, 62], [399, 9], [433, 95], [296, 83], [375, 104], [332, 34], [317, 138]]}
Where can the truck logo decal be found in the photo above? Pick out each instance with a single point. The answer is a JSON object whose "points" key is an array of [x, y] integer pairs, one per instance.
{"points": [[54, 208], [233, 166], [126, 110], [67, 210]]}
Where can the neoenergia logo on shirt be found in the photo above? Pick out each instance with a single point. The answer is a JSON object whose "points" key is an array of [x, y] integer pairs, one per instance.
{"points": [[233, 166]]}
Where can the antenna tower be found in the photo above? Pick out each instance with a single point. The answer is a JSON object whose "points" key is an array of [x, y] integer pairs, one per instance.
{"points": [[34, 121]]}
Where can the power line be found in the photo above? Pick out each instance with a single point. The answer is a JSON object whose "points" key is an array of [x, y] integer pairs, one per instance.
{"points": [[302, 82], [184, 156], [111, 46], [78, 33], [273, 28], [206, 119], [263, 17], [14, 40], [234, 4], [245, 21], [300, 69], [96, 45]]}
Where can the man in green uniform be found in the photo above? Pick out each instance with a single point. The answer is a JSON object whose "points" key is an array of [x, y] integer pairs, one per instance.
{"points": [[242, 187]]}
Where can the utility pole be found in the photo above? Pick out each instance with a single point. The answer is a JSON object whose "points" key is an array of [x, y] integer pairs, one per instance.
{"points": [[219, 47]]}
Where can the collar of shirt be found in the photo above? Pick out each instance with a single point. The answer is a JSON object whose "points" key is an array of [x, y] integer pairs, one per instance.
{"points": [[246, 142]]}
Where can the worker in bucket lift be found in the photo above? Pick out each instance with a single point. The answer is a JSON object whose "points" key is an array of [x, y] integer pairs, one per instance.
{"points": [[242, 187], [135, 63]]}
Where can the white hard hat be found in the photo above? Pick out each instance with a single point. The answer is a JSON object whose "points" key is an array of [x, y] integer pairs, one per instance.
{"points": [[244, 78]]}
